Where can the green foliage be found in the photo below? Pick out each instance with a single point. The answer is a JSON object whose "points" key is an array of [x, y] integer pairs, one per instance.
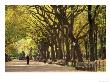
{"points": [[52, 27]]}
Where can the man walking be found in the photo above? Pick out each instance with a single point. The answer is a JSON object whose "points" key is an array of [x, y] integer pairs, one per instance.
{"points": [[27, 59]]}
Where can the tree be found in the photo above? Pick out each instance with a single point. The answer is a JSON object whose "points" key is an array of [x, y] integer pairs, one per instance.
{"points": [[68, 32]]}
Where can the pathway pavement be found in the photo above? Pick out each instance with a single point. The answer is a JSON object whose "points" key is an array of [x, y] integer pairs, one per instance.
{"points": [[34, 66]]}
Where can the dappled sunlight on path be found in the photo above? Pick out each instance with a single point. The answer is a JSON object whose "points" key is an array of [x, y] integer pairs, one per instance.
{"points": [[20, 66]]}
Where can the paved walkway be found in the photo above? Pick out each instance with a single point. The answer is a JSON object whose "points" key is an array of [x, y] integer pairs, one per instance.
{"points": [[20, 66]]}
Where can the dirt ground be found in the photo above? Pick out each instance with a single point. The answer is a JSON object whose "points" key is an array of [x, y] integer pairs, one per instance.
{"points": [[20, 66]]}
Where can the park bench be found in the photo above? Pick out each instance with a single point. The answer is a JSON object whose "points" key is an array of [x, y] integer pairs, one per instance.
{"points": [[61, 62], [49, 61], [80, 66], [90, 66]]}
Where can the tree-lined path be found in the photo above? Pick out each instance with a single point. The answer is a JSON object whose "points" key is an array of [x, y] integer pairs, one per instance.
{"points": [[75, 35], [21, 66]]}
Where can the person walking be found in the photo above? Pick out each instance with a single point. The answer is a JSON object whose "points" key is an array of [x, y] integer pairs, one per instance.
{"points": [[27, 59]]}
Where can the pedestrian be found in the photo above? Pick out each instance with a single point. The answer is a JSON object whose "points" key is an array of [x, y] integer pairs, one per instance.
{"points": [[27, 59]]}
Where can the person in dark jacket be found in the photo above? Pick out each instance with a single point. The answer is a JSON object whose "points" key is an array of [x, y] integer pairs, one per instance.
{"points": [[27, 59]]}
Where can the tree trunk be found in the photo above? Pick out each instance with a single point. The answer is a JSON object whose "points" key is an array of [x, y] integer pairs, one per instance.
{"points": [[91, 30]]}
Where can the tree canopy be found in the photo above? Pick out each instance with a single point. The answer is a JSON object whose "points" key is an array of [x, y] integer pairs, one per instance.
{"points": [[71, 32]]}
